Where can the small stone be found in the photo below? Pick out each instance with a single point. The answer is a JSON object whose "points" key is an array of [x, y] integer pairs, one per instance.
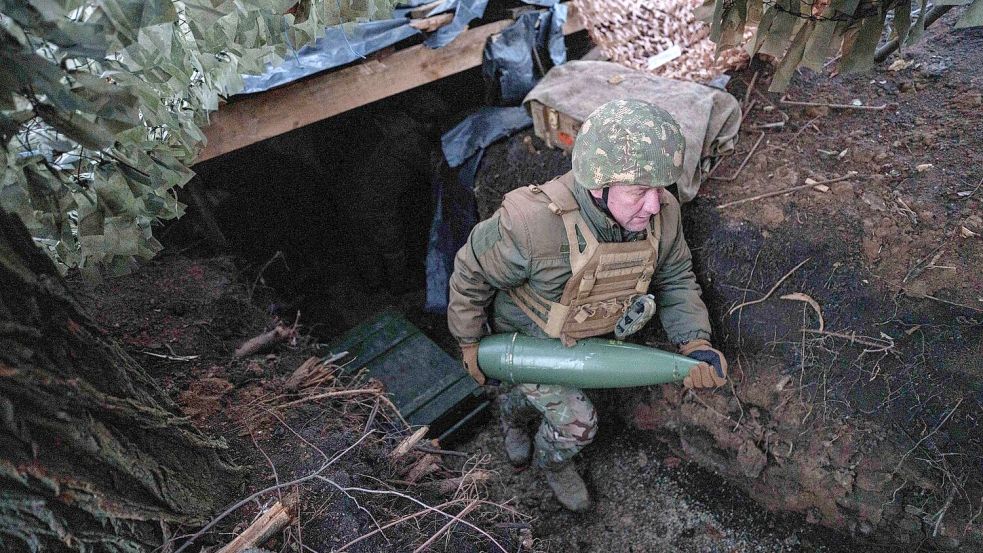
{"points": [[821, 188], [813, 112], [968, 100], [935, 70], [922, 167]]}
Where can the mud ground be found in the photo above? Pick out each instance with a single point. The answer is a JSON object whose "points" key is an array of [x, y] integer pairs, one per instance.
{"points": [[646, 498], [183, 318]]}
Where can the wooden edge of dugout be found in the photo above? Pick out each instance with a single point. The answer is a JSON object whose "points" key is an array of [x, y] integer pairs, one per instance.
{"points": [[254, 118]]}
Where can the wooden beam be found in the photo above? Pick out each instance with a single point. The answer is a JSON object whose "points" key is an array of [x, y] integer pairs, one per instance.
{"points": [[254, 118]]}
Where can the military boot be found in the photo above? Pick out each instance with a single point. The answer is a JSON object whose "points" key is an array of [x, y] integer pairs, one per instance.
{"points": [[518, 444], [569, 488]]}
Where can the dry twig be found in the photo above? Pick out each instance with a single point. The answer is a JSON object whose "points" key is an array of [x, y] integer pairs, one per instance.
{"points": [[878, 344], [446, 528], [265, 526], [743, 163], [407, 444], [929, 435], [770, 292], [280, 333], [237, 505], [786, 101], [848, 176]]}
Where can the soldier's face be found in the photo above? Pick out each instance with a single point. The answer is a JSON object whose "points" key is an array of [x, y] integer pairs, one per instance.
{"points": [[633, 205]]}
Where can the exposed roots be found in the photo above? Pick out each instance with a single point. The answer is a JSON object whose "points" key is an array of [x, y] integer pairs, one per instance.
{"points": [[418, 496]]}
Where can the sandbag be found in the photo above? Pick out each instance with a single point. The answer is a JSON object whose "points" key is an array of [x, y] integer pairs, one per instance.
{"points": [[709, 117]]}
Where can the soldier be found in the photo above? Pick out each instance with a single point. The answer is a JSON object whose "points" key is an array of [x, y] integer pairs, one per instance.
{"points": [[575, 258]]}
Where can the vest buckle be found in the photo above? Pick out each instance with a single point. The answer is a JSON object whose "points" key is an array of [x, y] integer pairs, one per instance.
{"points": [[557, 210], [644, 279], [586, 285]]}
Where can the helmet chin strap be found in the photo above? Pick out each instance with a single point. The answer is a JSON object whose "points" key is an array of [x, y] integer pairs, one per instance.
{"points": [[602, 203]]}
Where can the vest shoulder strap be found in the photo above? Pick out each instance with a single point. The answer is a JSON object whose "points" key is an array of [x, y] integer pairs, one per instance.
{"points": [[561, 197]]}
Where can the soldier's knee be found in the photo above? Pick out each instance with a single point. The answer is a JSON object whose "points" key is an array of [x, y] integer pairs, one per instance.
{"points": [[582, 427]]}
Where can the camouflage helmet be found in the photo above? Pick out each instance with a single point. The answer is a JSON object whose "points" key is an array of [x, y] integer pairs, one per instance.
{"points": [[628, 142]]}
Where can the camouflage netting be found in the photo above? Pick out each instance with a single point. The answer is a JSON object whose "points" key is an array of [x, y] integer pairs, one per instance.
{"points": [[634, 33]]}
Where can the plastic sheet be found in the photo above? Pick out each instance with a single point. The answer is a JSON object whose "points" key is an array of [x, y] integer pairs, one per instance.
{"points": [[339, 47], [465, 11], [456, 211], [514, 61], [335, 48], [479, 130]]}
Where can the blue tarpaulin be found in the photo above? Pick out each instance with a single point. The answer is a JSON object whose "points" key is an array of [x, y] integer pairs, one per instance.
{"points": [[515, 60], [456, 211], [339, 47]]}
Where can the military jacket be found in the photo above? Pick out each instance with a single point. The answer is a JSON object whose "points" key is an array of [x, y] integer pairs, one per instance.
{"points": [[525, 242]]}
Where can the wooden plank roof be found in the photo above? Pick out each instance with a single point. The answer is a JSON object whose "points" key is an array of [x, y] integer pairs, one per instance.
{"points": [[250, 119]]}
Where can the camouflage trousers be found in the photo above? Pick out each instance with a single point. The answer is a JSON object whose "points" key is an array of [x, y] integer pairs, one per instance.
{"points": [[569, 420]]}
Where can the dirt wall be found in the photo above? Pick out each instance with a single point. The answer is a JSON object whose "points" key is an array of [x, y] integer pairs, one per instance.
{"points": [[866, 428]]}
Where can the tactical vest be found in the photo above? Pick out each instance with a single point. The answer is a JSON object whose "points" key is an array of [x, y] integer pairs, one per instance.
{"points": [[605, 275]]}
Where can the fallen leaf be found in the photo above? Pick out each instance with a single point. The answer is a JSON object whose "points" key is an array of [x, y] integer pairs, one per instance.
{"points": [[922, 167], [899, 65], [966, 233], [617, 79]]}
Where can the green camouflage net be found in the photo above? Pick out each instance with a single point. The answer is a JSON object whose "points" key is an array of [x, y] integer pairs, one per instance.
{"points": [[102, 104]]}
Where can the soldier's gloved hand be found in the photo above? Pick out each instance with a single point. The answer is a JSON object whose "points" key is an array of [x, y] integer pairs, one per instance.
{"points": [[469, 357], [712, 372]]}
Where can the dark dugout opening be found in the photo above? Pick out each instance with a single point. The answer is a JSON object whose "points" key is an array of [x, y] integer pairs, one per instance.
{"points": [[348, 202]]}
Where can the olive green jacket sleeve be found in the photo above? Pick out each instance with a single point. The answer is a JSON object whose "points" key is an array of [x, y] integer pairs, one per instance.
{"points": [[681, 309], [494, 258]]}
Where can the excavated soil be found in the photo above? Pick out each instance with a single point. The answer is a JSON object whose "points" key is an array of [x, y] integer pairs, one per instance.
{"points": [[863, 419], [182, 319]]}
